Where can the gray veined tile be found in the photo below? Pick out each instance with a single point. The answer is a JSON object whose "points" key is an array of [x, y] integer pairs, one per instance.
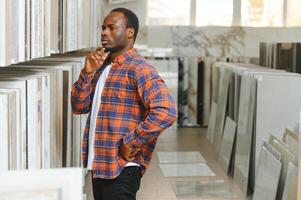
{"points": [[286, 157], [227, 144], [292, 139], [221, 106], [211, 125], [273, 139], [291, 183], [181, 157], [244, 132], [202, 189], [186, 170], [267, 176], [271, 149]]}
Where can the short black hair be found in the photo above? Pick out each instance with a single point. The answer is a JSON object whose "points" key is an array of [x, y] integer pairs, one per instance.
{"points": [[131, 18]]}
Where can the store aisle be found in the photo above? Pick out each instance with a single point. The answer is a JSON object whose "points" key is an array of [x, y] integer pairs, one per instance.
{"points": [[155, 186]]}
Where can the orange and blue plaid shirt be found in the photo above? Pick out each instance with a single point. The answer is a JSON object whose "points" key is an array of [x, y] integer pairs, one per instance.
{"points": [[135, 108]]}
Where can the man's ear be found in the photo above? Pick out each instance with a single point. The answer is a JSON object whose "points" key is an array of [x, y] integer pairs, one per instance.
{"points": [[131, 32]]}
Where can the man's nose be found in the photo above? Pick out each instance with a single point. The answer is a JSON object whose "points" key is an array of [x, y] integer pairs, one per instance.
{"points": [[104, 32]]}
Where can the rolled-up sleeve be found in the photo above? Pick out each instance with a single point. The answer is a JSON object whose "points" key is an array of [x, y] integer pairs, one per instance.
{"points": [[155, 97], [80, 94]]}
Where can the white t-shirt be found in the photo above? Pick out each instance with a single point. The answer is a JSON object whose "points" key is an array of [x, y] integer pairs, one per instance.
{"points": [[94, 112]]}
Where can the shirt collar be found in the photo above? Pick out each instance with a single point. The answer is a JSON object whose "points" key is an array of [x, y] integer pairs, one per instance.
{"points": [[126, 57]]}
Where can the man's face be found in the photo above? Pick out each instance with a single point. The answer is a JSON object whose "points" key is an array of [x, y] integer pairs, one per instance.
{"points": [[114, 36]]}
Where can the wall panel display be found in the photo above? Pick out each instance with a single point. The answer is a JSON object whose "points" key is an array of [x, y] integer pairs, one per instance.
{"points": [[36, 28], [18, 145]]}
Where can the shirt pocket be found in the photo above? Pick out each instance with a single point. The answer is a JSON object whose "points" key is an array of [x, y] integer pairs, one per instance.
{"points": [[123, 92]]}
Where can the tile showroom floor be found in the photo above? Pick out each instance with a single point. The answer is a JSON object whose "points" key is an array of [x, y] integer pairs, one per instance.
{"points": [[155, 186]]}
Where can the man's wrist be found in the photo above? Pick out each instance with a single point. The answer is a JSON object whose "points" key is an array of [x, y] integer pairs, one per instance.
{"points": [[87, 73]]}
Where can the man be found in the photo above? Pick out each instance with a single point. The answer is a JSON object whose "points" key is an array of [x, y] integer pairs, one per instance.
{"points": [[129, 106]]}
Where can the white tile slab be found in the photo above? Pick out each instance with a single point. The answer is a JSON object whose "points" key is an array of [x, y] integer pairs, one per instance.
{"points": [[221, 105], [202, 189], [186, 170], [4, 131], [267, 177], [227, 144], [244, 133], [291, 183], [181, 157], [278, 104], [211, 125], [286, 158]]}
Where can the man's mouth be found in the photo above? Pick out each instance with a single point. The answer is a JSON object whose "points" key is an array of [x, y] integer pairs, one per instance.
{"points": [[104, 42]]}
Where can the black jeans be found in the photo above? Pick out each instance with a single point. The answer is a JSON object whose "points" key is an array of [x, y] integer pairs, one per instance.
{"points": [[124, 187]]}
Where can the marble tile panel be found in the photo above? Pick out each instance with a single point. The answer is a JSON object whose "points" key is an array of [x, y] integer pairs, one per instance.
{"points": [[4, 131], [202, 189], [221, 105], [180, 157], [291, 183], [165, 36], [207, 89], [268, 146], [227, 144], [286, 158], [267, 177], [186, 170], [291, 139], [211, 125], [208, 41], [244, 132]]}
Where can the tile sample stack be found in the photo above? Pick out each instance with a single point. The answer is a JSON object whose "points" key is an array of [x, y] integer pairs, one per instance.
{"points": [[32, 29], [38, 129], [261, 101]]}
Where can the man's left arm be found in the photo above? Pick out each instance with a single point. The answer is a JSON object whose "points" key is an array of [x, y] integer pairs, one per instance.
{"points": [[162, 108]]}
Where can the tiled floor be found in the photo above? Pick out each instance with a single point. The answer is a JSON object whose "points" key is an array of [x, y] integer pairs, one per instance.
{"points": [[155, 186]]}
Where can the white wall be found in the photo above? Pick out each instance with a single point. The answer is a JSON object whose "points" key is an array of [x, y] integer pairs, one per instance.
{"points": [[139, 7]]}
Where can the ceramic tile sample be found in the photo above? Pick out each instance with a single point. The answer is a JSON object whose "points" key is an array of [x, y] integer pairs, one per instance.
{"points": [[244, 132], [4, 131], [54, 184], [193, 91], [207, 89], [221, 106], [19, 144], [276, 91], [183, 170], [286, 158], [227, 144], [181, 157], [202, 189], [267, 177], [271, 149], [291, 183], [211, 125], [291, 139], [299, 157]]}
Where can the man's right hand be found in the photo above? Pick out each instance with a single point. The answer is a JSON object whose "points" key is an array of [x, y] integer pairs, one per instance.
{"points": [[94, 60]]}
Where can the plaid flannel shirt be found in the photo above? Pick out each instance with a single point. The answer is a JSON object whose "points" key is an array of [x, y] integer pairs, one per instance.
{"points": [[135, 108]]}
